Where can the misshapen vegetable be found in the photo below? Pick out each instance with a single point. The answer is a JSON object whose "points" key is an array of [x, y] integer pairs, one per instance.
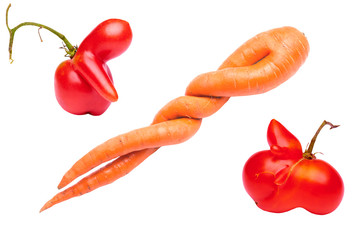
{"points": [[83, 83], [284, 178], [261, 64]]}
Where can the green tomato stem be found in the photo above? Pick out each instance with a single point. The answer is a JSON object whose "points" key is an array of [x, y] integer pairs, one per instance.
{"points": [[308, 152], [69, 48]]}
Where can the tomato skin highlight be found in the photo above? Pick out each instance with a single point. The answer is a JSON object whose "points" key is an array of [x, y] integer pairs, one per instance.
{"points": [[84, 84], [281, 180]]}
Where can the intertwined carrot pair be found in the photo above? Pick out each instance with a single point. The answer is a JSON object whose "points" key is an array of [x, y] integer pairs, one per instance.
{"points": [[259, 65]]}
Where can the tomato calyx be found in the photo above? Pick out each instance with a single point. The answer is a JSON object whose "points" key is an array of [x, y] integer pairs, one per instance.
{"points": [[67, 46], [70, 52], [308, 154]]}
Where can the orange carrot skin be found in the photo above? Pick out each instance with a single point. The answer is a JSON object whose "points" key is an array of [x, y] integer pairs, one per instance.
{"points": [[161, 134], [191, 107], [103, 176], [277, 59], [259, 65]]}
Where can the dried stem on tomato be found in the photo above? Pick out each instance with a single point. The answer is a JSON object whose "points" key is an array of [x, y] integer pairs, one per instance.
{"points": [[308, 152]]}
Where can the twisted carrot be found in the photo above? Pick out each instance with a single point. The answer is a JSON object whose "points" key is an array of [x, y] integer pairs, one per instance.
{"points": [[259, 65]]}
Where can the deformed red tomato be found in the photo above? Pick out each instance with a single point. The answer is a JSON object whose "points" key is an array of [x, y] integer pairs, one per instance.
{"points": [[284, 178], [83, 83]]}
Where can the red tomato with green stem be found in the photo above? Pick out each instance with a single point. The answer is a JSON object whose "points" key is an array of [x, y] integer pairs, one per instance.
{"points": [[285, 177], [83, 83]]}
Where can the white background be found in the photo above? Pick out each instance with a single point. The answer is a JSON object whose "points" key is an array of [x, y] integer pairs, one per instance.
{"points": [[192, 190]]}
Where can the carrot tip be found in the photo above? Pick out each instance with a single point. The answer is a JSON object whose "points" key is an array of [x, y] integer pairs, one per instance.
{"points": [[64, 181], [46, 206]]}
